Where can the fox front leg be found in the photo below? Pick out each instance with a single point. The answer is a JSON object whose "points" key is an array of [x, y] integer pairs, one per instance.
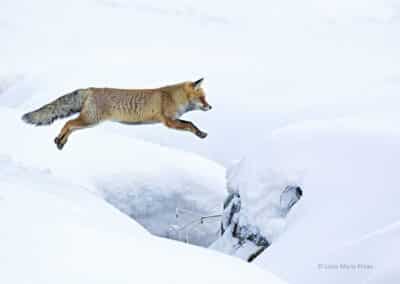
{"points": [[185, 125], [194, 129]]}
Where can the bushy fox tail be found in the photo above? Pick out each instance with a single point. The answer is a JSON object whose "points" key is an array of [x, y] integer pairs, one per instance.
{"points": [[62, 107]]}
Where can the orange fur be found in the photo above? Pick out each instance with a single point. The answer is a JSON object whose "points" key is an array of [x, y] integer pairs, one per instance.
{"points": [[133, 106]]}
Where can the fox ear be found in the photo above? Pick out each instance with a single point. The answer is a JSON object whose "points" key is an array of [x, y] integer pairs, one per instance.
{"points": [[197, 84]]}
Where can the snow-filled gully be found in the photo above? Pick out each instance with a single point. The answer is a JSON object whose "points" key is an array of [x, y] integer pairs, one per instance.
{"points": [[231, 231]]}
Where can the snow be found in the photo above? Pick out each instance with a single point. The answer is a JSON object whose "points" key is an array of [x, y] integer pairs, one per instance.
{"points": [[303, 93], [254, 179], [344, 227], [54, 231]]}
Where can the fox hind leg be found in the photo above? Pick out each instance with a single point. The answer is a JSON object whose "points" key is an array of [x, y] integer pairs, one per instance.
{"points": [[69, 127]]}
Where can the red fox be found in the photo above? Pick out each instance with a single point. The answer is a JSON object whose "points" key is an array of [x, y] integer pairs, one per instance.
{"points": [[132, 106]]}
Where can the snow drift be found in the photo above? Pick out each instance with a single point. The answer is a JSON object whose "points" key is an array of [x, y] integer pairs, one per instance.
{"points": [[343, 229], [53, 231]]}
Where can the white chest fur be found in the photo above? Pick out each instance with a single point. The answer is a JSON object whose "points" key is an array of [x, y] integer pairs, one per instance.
{"points": [[183, 109]]}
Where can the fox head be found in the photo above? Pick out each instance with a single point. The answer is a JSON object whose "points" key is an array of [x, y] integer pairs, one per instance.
{"points": [[197, 97]]}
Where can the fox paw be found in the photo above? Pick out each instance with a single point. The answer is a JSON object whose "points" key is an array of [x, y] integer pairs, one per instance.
{"points": [[201, 134], [59, 144]]}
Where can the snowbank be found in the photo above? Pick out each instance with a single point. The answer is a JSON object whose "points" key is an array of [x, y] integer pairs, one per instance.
{"points": [[55, 232], [146, 181], [347, 169], [263, 193]]}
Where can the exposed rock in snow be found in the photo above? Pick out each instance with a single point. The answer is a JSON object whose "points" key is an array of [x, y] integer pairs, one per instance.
{"points": [[239, 235]]}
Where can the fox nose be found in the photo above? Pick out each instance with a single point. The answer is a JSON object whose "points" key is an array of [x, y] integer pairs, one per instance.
{"points": [[206, 107]]}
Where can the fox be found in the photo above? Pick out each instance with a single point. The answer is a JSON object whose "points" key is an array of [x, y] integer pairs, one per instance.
{"points": [[129, 106]]}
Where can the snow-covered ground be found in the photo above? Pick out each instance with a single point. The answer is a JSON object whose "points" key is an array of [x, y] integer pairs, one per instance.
{"points": [[53, 231], [305, 91], [346, 226]]}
